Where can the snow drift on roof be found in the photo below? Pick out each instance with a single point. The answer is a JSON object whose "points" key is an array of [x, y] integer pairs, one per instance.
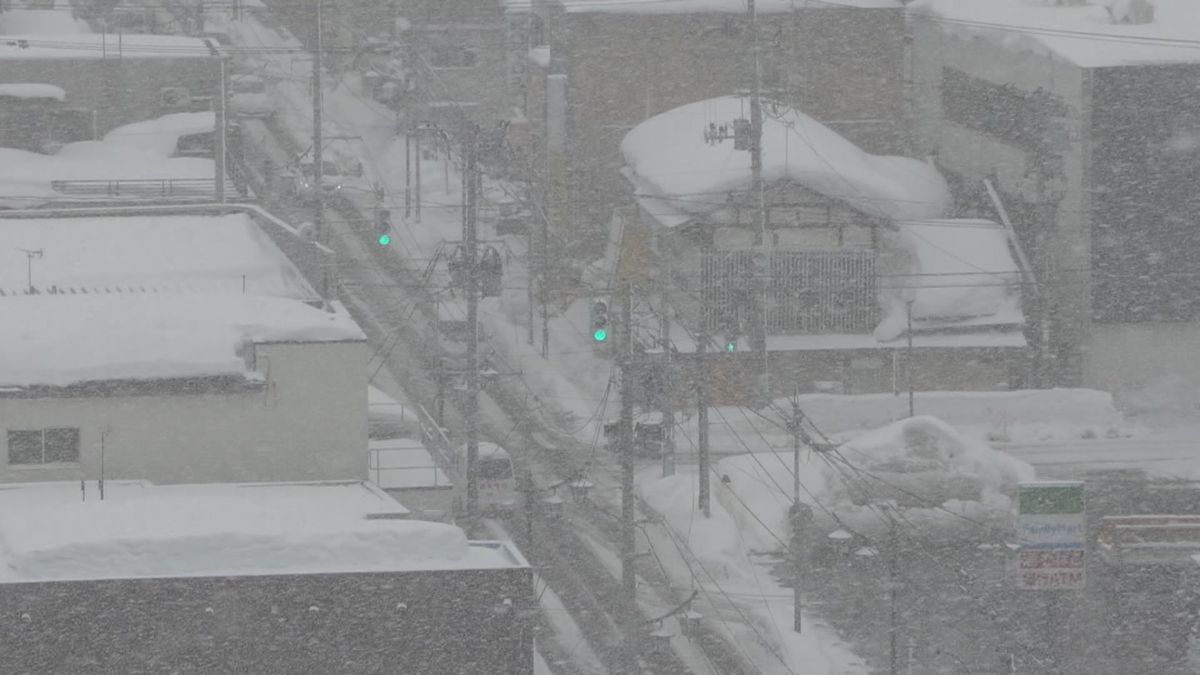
{"points": [[159, 136], [32, 90], [41, 22], [25, 177], [669, 161], [157, 253], [62, 340], [193, 530], [957, 273], [1081, 34], [709, 6]]}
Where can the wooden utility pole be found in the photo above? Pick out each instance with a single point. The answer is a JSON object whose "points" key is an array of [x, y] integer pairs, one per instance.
{"points": [[797, 523], [625, 434], [471, 260], [667, 395], [908, 362]]}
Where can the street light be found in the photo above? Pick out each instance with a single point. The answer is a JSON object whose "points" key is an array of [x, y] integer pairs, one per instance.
{"points": [[30, 255]]}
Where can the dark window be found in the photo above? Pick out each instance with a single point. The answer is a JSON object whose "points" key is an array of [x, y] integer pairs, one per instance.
{"points": [[45, 446]]}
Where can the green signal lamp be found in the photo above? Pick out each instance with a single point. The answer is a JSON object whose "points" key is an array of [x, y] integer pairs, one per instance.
{"points": [[730, 347], [385, 239], [600, 335]]}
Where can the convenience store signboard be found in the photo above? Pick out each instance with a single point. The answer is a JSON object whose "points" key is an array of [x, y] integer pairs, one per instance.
{"points": [[1052, 532]]}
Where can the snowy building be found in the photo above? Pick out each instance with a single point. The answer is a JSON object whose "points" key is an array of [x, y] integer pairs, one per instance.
{"points": [[252, 578], [108, 80], [1083, 117], [597, 68], [841, 250], [174, 349]]}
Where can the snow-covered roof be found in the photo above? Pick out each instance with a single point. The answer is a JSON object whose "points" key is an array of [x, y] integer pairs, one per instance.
{"points": [[32, 90], [99, 46], [147, 531], [679, 176], [958, 274], [160, 135], [709, 6], [185, 253], [60, 340], [1080, 33]]}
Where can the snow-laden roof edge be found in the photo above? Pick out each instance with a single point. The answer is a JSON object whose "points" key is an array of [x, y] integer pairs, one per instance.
{"points": [[660, 7], [32, 90], [672, 165]]}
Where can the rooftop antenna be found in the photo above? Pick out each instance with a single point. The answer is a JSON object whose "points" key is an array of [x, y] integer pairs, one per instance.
{"points": [[30, 254]]}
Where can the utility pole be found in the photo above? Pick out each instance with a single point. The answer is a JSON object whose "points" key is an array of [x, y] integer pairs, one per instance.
{"points": [[471, 178], [762, 241], [893, 585], [318, 141], [667, 402], [220, 162], [407, 166], [625, 431], [544, 286], [908, 359], [702, 419], [416, 136]]}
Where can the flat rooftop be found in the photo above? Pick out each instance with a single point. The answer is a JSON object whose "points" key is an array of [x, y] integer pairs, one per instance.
{"points": [[1081, 34], [63, 340], [146, 254], [140, 530], [102, 45]]}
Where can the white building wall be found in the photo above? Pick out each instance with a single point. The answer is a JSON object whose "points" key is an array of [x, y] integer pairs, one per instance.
{"points": [[309, 422]]}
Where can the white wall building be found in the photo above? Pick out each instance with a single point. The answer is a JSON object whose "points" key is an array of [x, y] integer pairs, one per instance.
{"points": [[175, 349]]}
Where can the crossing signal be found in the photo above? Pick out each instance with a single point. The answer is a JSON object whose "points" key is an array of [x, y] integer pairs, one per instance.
{"points": [[600, 321]]}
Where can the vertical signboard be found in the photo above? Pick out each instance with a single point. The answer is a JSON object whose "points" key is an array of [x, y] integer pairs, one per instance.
{"points": [[1051, 530]]}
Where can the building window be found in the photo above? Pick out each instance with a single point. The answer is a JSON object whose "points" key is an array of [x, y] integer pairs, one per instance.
{"points": [[43, 446]]}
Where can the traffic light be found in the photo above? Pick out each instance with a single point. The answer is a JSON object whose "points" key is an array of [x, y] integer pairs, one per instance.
{"points": [[730, 344], [600, 321], [383, 227]]}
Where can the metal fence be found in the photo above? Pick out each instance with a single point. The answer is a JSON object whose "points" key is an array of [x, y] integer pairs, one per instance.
{"points": [[805, 292], [146, 188]]}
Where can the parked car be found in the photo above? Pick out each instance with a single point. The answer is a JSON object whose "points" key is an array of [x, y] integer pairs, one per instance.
{"points": [[248, 97]]}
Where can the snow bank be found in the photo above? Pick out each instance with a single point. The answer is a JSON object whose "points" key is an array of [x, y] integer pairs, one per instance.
{"points": [[65, 339], [32, 90], [24, 176], [723, 544], [1082, 34], [228, 253], [193, 532], [160, 136], [957, 273], [668, 159], [643, 7]]}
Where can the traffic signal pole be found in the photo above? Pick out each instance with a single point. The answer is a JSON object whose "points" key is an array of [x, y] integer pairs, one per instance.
{"points": [[625, 435], [472, 291]]}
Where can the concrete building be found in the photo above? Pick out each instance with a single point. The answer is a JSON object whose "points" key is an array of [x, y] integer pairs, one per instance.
{"points": [[1090, 141], [258, 578], [173, 349]]}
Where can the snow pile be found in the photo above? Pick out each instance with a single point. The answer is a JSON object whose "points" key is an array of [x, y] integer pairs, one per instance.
{"points": [[670, 163], [643, 7], [26, 177], [159, 136], [32, 90], [1083, 34], [924, 462], [66, 339], [228, 253], [956, 273], [172, 535]]}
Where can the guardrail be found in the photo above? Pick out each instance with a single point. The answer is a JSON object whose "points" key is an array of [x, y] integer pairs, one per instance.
{"points": [[147, 188]]}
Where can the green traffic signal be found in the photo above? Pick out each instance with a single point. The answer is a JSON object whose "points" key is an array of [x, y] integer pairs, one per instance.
{"points": [[600, 335], [730, 347], [385, 239]]}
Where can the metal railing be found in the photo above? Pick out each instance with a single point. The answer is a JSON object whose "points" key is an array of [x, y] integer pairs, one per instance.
{"points": [[146, 188]]}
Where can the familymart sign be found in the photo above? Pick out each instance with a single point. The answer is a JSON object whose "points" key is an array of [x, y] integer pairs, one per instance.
{"points": [[1052, 530]]}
